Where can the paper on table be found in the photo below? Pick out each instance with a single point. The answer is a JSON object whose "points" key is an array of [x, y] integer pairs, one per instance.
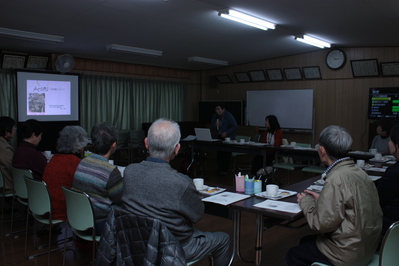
{"points": [[189, 138], [121, 169], [279, 206], [376, 169], [374, 177], [315, 188], [226, 198]]}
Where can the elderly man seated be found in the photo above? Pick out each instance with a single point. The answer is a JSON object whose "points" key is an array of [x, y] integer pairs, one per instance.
{"points": [[346, 214], [153, 189]]}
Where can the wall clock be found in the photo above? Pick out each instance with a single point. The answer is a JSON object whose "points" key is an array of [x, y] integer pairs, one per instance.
{"points": [[335, 59]]}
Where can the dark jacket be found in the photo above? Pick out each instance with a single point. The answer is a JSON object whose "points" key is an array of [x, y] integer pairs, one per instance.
{"points": [[128, 239]]}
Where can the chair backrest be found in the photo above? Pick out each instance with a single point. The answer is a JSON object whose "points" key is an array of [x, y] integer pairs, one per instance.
{"points": [[144, 241], [246, 138], [136, 138], [389, 254], [256, 138], [304, 145], [1, 180], [19, 182], [38, 196], [80, 213]]}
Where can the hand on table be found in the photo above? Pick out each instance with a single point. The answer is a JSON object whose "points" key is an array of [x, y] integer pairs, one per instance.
{"points": [[315, 195]]}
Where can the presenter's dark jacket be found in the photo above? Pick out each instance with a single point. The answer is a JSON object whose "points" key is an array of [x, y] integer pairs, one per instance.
{"points": [[227, 124]]}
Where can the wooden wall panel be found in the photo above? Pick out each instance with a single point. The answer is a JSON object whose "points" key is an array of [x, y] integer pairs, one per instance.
{"points": [[339, 98]]}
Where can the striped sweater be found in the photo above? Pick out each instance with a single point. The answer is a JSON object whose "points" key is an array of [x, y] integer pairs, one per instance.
{"points": [[101, 181]]}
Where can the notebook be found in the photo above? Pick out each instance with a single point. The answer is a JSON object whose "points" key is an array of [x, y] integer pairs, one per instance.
{"points": [[204, 134]]}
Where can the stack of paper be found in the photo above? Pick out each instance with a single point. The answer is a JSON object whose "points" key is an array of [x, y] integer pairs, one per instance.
{"points": [[226, 198], [279, 206]]}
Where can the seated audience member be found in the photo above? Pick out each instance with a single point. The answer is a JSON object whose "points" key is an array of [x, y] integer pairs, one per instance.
{"points": [[388, 185], [380, 142], [26, 156], [153, 189], [101, 180], [61, 168], [7, 132], [272, 136], [346, 214]]}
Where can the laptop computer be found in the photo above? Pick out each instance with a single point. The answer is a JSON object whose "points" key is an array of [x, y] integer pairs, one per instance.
{"points": [[204, 134]]}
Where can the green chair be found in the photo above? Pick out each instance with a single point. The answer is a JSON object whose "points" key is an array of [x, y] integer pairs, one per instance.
{"points": [[235, 155], [389, 254], [39, 203], [4, 193], [288, 163], [80, 216], [314, 169], [20, 193], [256, 138]]}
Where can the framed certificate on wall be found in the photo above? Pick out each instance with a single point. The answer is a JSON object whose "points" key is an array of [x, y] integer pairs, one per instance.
{"points": [[257, 75], [274, 74], [311, 72], [13, 61], [293, 73], [390, 69], [242, 77], [365, 68]]}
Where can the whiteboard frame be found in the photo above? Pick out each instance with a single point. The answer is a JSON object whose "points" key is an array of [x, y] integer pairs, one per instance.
{"points": [[282, 103]]}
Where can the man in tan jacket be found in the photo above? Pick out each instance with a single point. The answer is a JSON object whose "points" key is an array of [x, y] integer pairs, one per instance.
{"points": [[346, 214]]}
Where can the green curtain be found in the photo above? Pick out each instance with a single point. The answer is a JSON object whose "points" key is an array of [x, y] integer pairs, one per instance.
{"points": [[8, 94], [128, 102], [124, 102], [8, 97]]}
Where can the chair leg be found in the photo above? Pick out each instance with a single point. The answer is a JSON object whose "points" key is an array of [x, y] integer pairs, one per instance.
{"points": [[65, 245], [26, 233]]}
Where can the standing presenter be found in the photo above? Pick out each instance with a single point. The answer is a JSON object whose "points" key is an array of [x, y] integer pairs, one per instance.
{"points": [[225, 125]]}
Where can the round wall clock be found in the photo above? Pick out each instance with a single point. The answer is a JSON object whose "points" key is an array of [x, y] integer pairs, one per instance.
{"points": [[335, 59]]}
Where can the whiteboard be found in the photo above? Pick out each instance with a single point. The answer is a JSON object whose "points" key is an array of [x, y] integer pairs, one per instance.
{"points": [[293, 108]]}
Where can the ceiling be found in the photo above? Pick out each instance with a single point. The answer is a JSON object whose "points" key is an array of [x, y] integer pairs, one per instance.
{"points": [[185, 28]]}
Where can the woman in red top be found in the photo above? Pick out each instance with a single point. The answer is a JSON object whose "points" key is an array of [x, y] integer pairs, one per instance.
{"points": [[61, 168], [272, 136]]}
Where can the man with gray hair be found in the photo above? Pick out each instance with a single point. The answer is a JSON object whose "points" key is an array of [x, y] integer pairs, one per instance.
{"points": [[346, 214], [153, 189]]}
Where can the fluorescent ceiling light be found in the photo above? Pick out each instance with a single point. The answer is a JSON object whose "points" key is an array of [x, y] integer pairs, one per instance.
{"points": [[313, 41], [197, 59], [134, 50], [247, 19], [31, 35]]}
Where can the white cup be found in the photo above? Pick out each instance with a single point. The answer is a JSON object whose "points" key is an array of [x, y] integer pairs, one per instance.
{"points": [[199, 183], [293, 144], [227, 139], [242, 140], [378, 156], [360, 163], [47, 154], [271, 190], [111, 162], [373, 151]]}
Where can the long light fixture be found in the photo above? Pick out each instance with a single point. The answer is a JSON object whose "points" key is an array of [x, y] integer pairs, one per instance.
{"points": [[313, 41], [204, 60], [247, 19], [31, 35], [134, 50]]}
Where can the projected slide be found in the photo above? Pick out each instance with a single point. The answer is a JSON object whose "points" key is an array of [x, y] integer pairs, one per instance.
{"points": [[46, 97]]}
